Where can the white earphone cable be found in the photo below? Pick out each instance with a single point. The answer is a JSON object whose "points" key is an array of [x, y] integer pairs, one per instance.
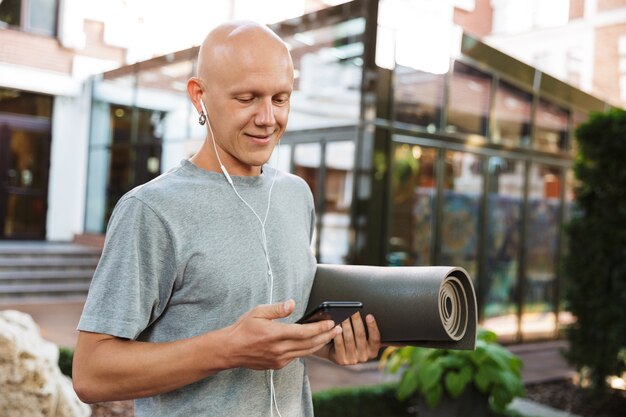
{"points": [[273, 402]]}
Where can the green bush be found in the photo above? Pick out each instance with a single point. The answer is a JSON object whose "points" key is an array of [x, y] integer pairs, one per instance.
{"points": [[66, 355], [432, 373], [595, 267], [365, 401]]}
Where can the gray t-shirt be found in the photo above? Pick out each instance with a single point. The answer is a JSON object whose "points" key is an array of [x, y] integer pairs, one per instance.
{"points": [[184, 256]]}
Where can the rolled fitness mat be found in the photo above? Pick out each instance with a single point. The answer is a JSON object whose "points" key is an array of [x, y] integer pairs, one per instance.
{"points": [[418, 306]]}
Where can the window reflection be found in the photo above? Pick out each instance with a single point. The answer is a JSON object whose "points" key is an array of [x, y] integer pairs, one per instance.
{"points": [[412, 205], [418, 97], [578, 118], [126, 151], [335, 221], [551, 127], [538, 317], [33, 15], [468, 102], [307, 158], [512, 116], [463, 181], [22, 102], [565, 318], [327, 69], [504, 208]]}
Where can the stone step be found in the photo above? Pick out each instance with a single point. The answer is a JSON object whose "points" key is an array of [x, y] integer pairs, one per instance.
{"points": [[38, 270], [22, 276], [47, 261], [43, 290], [45, 249]]}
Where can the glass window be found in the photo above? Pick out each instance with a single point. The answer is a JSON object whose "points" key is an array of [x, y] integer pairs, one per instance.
{"points": [[10, 12], [468, 102], [126, 150], [418, 97], [307, 160], [412, 204], [551, 127], [22, 102], [335, 221], [578, 118], [504, 208], [565, 317], [328, 64], [25, 177], [463, 184], [38, 16], [538, 315], [512, 116], [42, 16]]}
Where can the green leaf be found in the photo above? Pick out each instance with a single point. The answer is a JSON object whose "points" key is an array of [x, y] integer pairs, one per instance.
{"points": [[428, 375], [485, 376], [501, 398], [452, 361], [487, 335], [433, 396], [480, 355], [408, 384], [457, 381]]}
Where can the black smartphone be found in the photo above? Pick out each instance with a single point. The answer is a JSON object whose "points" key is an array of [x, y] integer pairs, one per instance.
{"points": [[336, 311]]}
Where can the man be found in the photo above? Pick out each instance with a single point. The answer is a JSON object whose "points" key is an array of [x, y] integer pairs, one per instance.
{"points": [[180, 313]]}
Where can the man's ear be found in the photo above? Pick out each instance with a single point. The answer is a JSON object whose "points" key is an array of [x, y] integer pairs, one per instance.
{"points": [[195, 90]]}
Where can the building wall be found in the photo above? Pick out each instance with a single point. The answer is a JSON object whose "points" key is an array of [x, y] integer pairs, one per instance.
{"points": [[477, 21], [604, 5], [607, 62], [576, 9], [34, 51], [583, 52]]}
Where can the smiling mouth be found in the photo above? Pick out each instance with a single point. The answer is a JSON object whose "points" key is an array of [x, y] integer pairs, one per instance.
{"points": [[262, 138]]}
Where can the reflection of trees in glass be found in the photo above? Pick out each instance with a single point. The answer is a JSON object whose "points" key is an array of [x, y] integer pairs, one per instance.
{"points": [[10, 12], [412, 205], [502, 249], [460, 230]]}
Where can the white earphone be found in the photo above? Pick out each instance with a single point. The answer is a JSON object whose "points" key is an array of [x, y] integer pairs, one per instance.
{"points": [[270, 274]]}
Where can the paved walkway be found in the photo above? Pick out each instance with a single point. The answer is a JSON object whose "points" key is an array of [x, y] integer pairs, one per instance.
{"points": [[542, 361]]}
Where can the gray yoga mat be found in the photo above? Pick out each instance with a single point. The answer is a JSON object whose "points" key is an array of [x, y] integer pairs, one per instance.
{"points": [[418, 306]]}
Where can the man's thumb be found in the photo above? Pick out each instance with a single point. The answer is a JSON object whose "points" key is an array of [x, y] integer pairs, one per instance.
{"points": [[276, 311]]}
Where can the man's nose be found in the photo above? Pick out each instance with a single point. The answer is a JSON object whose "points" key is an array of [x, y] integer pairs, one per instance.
{"points": [[265, 114]]}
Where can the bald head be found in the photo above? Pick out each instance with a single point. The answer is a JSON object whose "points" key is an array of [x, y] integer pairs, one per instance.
{"points": [[243, 90], [239, 42]]}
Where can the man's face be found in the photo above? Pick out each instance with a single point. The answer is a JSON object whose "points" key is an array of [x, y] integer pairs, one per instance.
{"points": [[247, 101]]}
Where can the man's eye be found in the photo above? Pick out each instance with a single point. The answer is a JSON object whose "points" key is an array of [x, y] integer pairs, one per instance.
{"points": [[281, 100], [245, 99]]}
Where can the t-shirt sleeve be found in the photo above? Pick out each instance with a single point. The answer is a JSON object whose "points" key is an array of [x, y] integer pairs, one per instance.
{"points": [[135, 275]]}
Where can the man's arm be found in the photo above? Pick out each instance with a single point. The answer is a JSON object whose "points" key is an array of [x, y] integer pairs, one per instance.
{"points": [[108, 368]]}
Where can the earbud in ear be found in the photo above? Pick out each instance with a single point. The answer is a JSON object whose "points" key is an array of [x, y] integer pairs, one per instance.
{"points": [[203, 108]]}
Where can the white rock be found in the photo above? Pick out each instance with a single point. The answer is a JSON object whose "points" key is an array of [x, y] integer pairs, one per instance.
{"points": [[31, 383]]}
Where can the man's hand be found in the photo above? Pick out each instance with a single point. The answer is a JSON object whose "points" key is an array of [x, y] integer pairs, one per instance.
{"points": [[258, 342], [353, 346]]}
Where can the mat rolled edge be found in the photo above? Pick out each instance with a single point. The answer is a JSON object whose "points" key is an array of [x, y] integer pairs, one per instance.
{"points": [[408, 302]]}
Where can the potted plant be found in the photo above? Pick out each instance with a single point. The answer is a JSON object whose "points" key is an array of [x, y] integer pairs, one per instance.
{"points": [[457, 382]]}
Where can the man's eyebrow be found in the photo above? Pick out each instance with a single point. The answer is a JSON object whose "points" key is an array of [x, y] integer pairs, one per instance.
{"points": [[255, 92]]}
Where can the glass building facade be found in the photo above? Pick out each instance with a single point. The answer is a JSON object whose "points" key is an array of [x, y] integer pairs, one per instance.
{"points": [[471, 167]]}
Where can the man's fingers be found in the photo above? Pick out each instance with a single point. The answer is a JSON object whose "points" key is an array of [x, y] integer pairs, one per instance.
{"points": [[374, 336], [340, 348], [274, 311], [305, 348], [350, 345], [360, 337]]}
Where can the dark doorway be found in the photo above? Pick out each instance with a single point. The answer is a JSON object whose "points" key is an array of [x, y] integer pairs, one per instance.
{"points": [[24, 166]]}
